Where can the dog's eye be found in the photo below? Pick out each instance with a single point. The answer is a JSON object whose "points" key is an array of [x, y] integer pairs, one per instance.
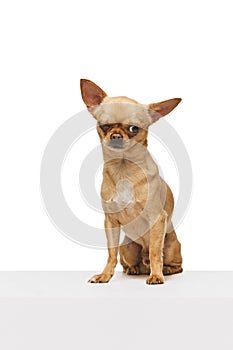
{"points": [[133, 129], [105, 127]]}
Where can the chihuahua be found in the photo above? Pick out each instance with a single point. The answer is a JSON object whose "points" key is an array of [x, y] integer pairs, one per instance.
{"points": [[134, 196]]}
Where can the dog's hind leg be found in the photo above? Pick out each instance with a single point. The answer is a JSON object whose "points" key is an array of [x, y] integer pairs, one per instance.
{"points": [[172, 259], [130, 256]]}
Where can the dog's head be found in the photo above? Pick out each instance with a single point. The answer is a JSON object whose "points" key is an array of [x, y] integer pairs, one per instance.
{"points": [[122, 121]]}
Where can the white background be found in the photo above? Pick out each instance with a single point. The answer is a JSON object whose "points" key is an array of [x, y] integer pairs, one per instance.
{"points": [[147, 50]]}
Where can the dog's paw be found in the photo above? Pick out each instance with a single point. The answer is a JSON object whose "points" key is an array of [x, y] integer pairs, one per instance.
{"points": [[101, 278], [155, 279], [171, 270], [167, 270], [133, 270]]}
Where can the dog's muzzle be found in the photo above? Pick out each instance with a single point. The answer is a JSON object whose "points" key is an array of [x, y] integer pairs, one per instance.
{"points": [[116, 140]]}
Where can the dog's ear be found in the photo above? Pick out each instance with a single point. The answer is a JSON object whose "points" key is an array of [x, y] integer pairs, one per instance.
{"points": [[160, 109], [92, 94]]}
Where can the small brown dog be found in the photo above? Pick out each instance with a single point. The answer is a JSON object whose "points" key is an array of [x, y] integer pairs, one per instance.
{"points": [[134, 196]]}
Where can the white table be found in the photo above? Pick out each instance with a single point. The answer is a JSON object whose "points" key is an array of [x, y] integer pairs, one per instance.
{"points": [[61, 311]]}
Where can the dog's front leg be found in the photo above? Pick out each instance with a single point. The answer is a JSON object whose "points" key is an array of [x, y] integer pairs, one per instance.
{"points": [[157, 234], [112, 230]]}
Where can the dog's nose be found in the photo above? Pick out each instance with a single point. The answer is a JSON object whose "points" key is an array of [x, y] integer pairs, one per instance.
{"points": [[116, 136]]}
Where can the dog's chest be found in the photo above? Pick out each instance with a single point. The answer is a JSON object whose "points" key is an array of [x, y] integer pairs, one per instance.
{"points": [[124, 191], [123, 196]]}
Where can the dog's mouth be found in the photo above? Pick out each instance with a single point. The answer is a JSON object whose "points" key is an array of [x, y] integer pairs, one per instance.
{"points": [[116, 143]]}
